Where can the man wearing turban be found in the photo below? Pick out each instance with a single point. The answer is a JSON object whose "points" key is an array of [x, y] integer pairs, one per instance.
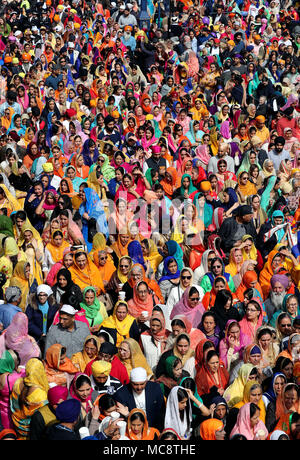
{"points": [[279, 287], [102, 381], [261, 130]]}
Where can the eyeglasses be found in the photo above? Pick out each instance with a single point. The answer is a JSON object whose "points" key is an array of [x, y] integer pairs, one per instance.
{"points": [[186, 277], [194, 299], [42, 295]]}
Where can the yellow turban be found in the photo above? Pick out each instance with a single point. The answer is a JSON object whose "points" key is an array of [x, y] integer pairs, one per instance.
{"points": [[149, 116], [260, 118], [47, 167], [101, 367]]}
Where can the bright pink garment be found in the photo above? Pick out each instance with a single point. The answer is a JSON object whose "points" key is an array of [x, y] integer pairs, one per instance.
{"points": [[79, 316], [4, 398], [224, 344], [86, 402], [247, 328], [17, 339]]}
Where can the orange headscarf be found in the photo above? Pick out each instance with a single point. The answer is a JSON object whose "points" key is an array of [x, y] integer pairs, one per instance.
{"points": [[248, 189], [148, 434], [281, 411], [151, 283], [267, 273], [55, 371], [118, 248], [71, 192], [106, 270], [170, 187], [136, 305], [248, 278], [209, 427]]}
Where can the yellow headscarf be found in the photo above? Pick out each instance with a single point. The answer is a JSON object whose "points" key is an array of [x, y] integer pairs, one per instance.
{"points": [[13, 202], [122, 327], [235, 392], [36, 375], [81, 358], [18, 279], [246, 399], [137, 358], [154, 256], [253, 252], [123, 278]]}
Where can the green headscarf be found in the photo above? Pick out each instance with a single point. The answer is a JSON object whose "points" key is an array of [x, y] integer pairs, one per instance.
{"points": [[191, 188], [170, 365], [91, 310], [7, 363]]}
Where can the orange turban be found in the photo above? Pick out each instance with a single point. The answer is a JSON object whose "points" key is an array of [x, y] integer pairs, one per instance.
{"points": [[205, 186]]}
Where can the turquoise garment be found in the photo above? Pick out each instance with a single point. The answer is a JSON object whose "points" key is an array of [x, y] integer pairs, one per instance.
{"points": [[176, 252], [273, 320], [265, 198], [44, 309], [280, 233], [195, 394], [191, 135], [208, 211], [191, 188]]}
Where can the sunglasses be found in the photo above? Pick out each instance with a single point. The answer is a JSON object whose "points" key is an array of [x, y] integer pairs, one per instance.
{"points": [[104, 258], [194, 299], [101, 161], [186, 277], [124, 266]]}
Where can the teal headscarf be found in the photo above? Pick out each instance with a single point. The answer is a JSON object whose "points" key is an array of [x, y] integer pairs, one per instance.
{"points": [[195, 393], [279, 233], [207, 212], [191, 188], [273, 320]]}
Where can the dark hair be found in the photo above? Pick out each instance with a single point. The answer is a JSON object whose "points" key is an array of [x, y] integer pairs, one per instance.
{"points": [[238, 437], [207, 345], [253, 409], [208, 313], [189, 383], [81, 380], [137, 416], [57, 232], [182, 336], [193, 290], [210, 354], [222, 298], [178, 322], [77, 254], [253, 371], [181, 394], [106, 402], [263, 332], [168, 437]]}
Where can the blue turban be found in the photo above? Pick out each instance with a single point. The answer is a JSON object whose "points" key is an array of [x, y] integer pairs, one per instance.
{"points": [[68, 411]]}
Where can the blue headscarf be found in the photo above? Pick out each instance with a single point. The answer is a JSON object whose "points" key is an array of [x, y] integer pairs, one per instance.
{"points": [[270, 393], [168, 275], [136, 254], [94, 208], [175, 250], [86, 155]]}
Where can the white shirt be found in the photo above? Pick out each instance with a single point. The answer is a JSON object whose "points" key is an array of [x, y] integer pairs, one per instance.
{"points": [[140, 400]]}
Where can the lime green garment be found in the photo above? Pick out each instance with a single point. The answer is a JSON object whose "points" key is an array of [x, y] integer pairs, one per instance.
{"points": [[207, 287], [7, 363], [95, 313]]}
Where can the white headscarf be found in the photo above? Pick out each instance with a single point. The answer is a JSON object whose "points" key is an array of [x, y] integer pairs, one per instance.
{"points": [[45, 289], [172, 417]]}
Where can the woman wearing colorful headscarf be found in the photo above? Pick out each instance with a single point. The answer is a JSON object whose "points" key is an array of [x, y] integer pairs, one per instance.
{"points": [[95, 311], [58, 367], [235, 392], [9, 373], [153, 341], [23, 279], [249, 424], [140, 431], [89, 353]]}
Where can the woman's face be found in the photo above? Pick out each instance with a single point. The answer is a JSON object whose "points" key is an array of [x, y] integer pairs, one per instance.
{"points": [[186, 183], [238, 256], [124, 351], [276, 262], [68, 260], [234, 332], [177, 371], [84, 391], [137, 426], [217, 268], [172, 267], [182, 404], [255, 419], [127, 182], [255, 395], [186, 278], [265, 341], [290, 398], [252, 313], [248, 246], [255, 205], [121, 312], [27, 236], [177, 330], [62, 281], [155, 326], [64, 221], [42, 297], [220, 412], [57, 240], [64, 186], [142, 292], [209, 324], [292, 306], [124, 266], [278, 384], [90, 349], [183, 346], [89, 298], [193, 299], [81, 261], [38, 190], [219, 285], [213, 364]]}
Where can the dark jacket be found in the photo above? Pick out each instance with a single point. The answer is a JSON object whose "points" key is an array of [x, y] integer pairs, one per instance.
{"points": [[229, 228], [155, 404], [35, 316]]}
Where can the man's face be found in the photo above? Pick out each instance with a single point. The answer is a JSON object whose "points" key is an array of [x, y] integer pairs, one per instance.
{"points": [[247, 218], [279, 147], [138, 387], [101, 379], [278, 288], [66, 321]]}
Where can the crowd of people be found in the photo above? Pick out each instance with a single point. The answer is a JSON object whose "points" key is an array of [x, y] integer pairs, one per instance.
{"points": [[149, 220]]}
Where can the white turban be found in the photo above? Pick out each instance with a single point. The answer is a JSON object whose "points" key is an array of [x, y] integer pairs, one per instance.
{"points": [[45, 289], [138, 374]]}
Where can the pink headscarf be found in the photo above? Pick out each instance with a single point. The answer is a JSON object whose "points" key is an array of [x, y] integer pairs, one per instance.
{"points": [[225, 130], [243, 426], [57, 393], [202, 153], [17, 339], [194, 315]]}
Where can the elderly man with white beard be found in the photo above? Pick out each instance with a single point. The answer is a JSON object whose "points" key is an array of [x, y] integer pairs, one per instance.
{"points": [[279, 286]]}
